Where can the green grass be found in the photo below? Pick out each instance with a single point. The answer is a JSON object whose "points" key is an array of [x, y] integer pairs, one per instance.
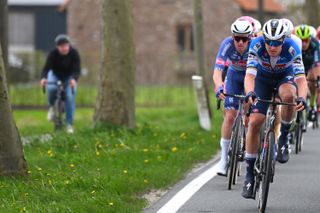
{"points": [[32, 95], [106, 170]]}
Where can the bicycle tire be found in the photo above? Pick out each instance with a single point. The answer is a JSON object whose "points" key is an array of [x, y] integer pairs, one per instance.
{"points": [[234, 151], [268, 166], [58, 123], [238, 144], [297, 138]]}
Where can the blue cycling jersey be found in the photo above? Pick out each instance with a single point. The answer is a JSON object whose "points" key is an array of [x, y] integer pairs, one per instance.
{"points": [[289, 60], [228, 53]]}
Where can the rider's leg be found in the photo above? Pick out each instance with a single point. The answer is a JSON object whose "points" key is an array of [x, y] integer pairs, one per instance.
{"points": [[252, 142], [52, 88], [287, 93], [252, 146], [226, 130], [70, 103], [52, 94], [312, 87]]}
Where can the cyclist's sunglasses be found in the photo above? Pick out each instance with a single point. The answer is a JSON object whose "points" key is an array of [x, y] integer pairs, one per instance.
{"points": [[274, 43], [306, 40], [241, 38]]}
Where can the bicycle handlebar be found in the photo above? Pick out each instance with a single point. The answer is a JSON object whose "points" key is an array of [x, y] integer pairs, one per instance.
{"points": [[273, 102], [241, 97], [55, 83]]}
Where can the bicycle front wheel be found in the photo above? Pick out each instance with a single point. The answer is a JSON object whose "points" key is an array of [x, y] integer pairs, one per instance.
{"points": [[233, 154], [268, 169]]}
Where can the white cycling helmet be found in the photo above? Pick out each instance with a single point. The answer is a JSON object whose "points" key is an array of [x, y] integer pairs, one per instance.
{"points": [[241, 27], [257, 26], [289, 25], [313, 31], [274, 29]]}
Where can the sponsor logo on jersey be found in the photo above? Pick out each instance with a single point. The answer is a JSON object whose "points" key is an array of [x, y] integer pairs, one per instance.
{"points": [[220, 61], [265, 64], [257, 46], [241, 63], [280, 66], [292, 51]]}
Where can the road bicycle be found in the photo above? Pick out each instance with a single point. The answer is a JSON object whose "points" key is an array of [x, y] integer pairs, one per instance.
{"points": [[237, 142], [264, 168], [59, 105]]}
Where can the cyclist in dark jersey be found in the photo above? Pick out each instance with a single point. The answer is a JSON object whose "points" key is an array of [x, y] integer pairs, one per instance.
{"points": [[311, 61]]}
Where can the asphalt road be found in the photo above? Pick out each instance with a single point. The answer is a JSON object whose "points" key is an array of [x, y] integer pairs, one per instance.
{"points": [[296, 187]]}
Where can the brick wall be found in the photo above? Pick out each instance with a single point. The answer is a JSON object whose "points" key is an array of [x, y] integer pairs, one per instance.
{"points": [[159, 60]]}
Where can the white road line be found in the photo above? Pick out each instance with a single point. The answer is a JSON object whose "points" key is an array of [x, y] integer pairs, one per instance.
{"points": [[188, 191]]}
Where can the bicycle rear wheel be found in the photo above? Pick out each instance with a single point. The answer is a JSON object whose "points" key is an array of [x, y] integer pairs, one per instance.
{"points": [[268, 171], [233, 154]]}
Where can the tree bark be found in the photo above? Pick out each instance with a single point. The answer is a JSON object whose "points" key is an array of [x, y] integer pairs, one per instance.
{"points": [[312, 8], [12, 160], [4, 30], [199, 47], [115, 102]]}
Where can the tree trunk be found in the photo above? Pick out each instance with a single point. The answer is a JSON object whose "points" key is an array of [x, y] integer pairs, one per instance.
{"points": [[115, 102], [12, 160], [4, 31], [199, 47], [312, 8]]}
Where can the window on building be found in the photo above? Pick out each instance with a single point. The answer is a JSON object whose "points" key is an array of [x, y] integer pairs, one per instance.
{"points": [[21, 30], [185, 37]]}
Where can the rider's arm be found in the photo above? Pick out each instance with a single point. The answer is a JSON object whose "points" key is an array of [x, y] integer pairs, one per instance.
{"points": [[76, 67], [249, 82], [251, 72], [220, 63], [299, 76], [302, 87], [48, 66], [217, 79]]}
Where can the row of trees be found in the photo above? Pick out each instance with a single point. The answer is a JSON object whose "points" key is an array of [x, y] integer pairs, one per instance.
{"points": [[115, 102]]}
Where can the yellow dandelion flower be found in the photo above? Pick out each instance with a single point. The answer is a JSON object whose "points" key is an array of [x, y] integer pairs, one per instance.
{"points": [[97, 153], [50, 153], [145, 181], [125, 171], [110, 204], [29, 171], [174, 149], [146, 161], [39, 169], [145, 150], [71, 165], [183, 135]]}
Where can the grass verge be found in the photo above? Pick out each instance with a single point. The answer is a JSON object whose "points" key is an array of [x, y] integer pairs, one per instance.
{"points": [[106, 170]]}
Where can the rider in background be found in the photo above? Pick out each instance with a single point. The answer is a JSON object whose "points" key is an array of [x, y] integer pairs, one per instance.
{"points": [[274, 61], [233, 50], [63, 63], [311, 61]]}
